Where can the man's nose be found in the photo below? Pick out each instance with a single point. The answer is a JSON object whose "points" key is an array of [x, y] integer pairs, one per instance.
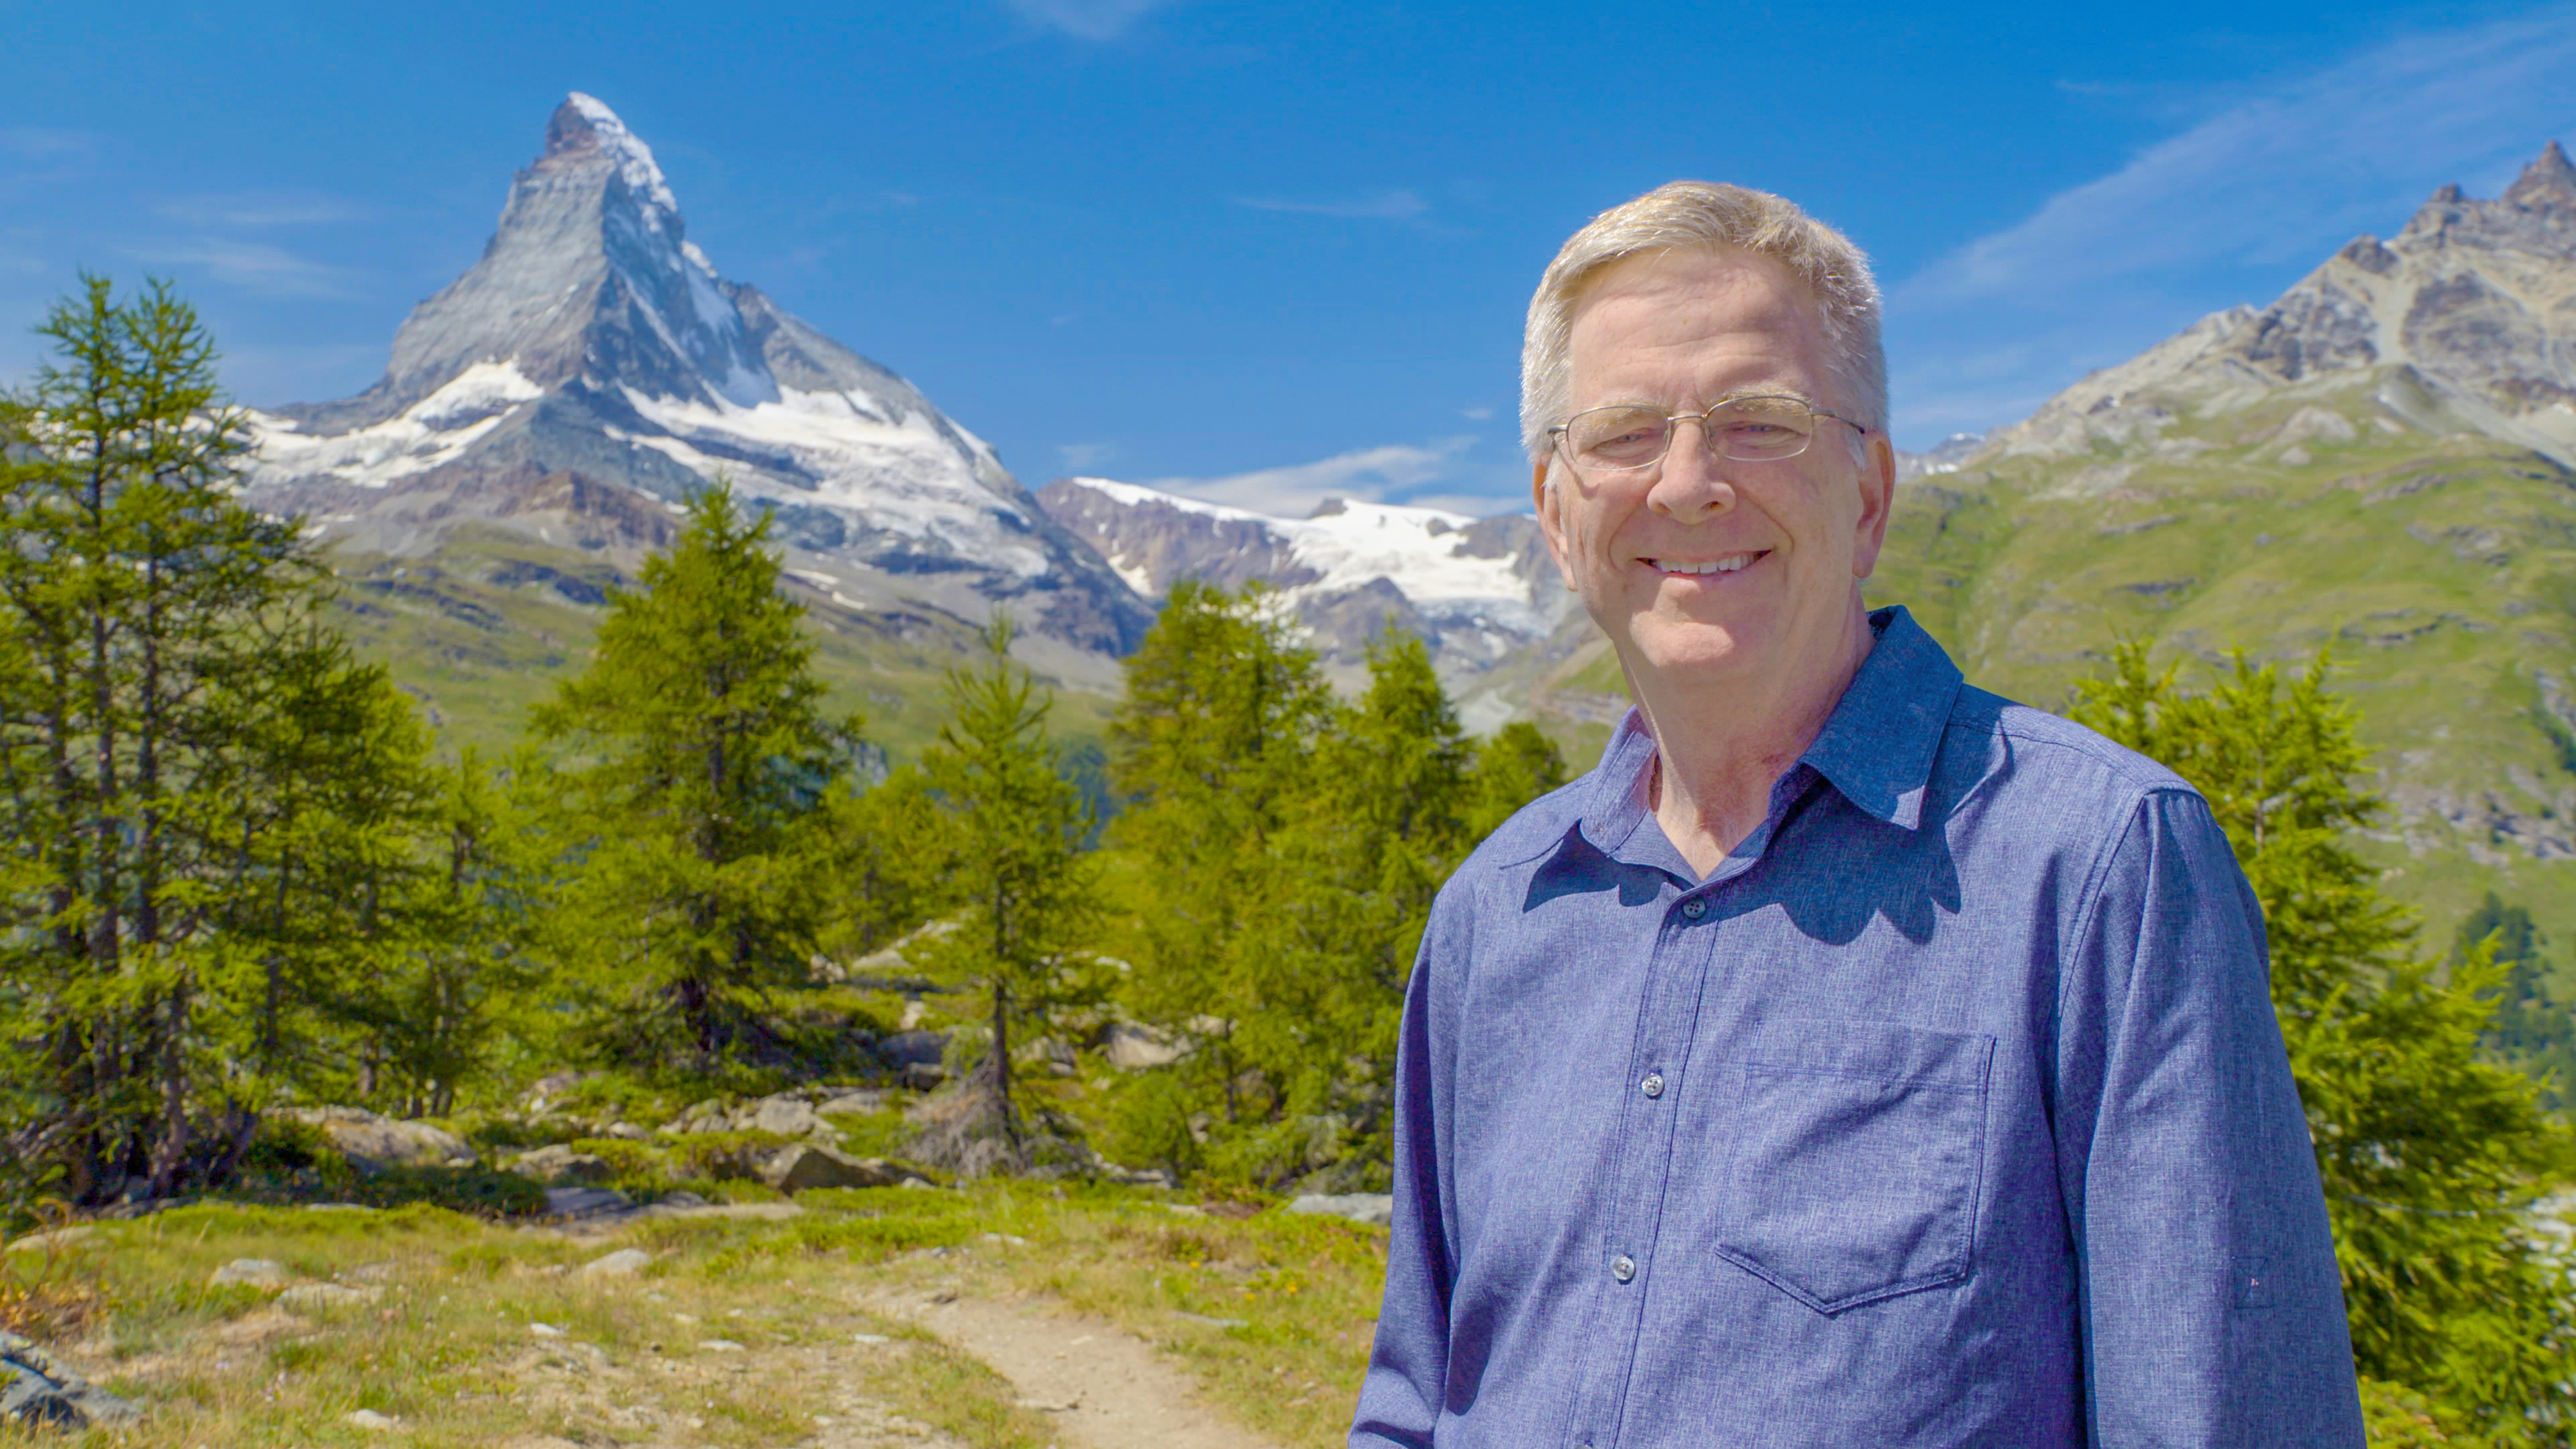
{"points": [[1691, 482]]}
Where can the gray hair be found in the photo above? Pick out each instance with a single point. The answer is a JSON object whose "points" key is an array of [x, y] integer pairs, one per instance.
{"points": [[1706, 216]]}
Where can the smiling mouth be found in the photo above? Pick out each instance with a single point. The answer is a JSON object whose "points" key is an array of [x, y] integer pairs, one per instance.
{"points": [[1732, 563]]}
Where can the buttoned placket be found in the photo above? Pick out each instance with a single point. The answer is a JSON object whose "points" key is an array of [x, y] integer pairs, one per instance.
{"points": [[1667, 1022]]}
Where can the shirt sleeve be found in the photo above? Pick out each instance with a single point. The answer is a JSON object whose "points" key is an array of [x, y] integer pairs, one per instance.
{"points": [[2211, 1310], [1409, 1365]]}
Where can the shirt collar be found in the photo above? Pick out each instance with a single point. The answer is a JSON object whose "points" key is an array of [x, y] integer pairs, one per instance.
{"points": [[1876, 747]]}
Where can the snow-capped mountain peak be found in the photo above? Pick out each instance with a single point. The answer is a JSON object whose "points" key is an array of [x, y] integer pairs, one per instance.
{"points": [[593, 339]]}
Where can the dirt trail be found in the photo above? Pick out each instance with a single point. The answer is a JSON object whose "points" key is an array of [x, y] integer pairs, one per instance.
{"points": [[1106, 1387]]}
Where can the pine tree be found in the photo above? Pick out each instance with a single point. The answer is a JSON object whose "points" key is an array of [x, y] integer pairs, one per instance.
{"points": [[2431, 1156], [1017, 830], [2532, 1028], [701, 805], [158, 642]]}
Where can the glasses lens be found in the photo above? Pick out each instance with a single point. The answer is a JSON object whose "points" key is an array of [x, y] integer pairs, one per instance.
{"points": [[1616, 437], [1757, 428]]}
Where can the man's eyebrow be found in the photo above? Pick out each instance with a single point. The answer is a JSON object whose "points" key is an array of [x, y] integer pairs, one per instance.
{"points": [[1795, 394]]}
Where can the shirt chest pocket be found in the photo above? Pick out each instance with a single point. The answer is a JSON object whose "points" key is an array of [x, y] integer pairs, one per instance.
{"points": [[1854, 1158]]}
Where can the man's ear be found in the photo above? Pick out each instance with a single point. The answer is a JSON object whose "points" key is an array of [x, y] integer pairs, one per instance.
{"points": [[1877, 496], [1549, 504]]}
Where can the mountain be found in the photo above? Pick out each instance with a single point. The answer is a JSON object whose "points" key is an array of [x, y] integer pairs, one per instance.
{"points": [[593, 369], [1480, 591], [2381, 462]]}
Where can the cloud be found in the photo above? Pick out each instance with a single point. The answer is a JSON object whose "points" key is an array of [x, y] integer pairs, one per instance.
{"points": [[1368, 474], [2233, 208], [263, 209], [1477, 415], [255, 267], [36, 143], [1079, 457], [1086, 19], [2274, 178], [1383, 206]]}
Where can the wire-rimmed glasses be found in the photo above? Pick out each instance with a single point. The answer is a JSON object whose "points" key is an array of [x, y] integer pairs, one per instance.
{"points": [[1625, 437]]}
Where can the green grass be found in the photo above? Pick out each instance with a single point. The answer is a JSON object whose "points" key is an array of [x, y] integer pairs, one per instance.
{"points": [[1268, 1313]]}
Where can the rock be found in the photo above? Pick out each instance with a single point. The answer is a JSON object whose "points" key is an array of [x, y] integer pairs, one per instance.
{"points": [[1359, 1207], [785, 1116], [585, 1202], [323, 1297], [546, 1330], [372, 1143], [922, 1076], [370, 1419], [559, 1166], [680, 1200], [54, 1241], [1133, 1048], [795, 1169], [624, 1263], [626, 1132], [257, 1272], [720, 1345], [914, 1048], [37, 1388], [852, 1104]]}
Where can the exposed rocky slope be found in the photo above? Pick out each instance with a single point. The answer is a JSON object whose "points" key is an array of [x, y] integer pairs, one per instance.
{"points": [[593, 368], [1480, 591]]}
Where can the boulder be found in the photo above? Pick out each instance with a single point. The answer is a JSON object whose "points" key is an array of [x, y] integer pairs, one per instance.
{"points": [[784, 1115], [324, 1297], [624, 1263], [795, 1169], [1359, 1207], [852, 1103], [914, 1048], [585, 1202], [559, 1165], [257, 1272], [372, 1143], [37, 1388], [1133, 1048]]}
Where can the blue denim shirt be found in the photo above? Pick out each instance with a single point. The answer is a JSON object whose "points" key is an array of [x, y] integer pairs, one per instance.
{"points": [[1950, 1109]]}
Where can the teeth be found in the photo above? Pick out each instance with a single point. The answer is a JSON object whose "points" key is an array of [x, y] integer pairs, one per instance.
{"points": [[1725, 565]]}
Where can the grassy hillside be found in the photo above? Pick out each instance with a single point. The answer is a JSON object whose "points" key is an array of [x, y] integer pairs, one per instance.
{"points": [[2439, 570]]}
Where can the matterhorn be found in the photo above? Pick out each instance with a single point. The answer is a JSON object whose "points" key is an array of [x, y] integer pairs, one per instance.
{"points": [[594, 369]]}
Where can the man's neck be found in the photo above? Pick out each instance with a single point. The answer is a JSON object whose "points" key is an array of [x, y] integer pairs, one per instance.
{"points": [[1721, 745]]}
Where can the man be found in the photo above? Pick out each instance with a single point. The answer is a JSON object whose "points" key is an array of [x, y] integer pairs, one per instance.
{"points": [[1852, 1058]]}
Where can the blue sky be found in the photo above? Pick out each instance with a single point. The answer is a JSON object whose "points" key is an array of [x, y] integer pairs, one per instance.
{"points": [[1259, 252]]}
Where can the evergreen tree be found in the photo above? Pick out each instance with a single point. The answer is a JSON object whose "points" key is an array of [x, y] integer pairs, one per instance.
{"points": [[2431, 1157], [1517, 765], [701, 803], [1213, 747], [2532, 1027], [1018, 827], [160, 646]]}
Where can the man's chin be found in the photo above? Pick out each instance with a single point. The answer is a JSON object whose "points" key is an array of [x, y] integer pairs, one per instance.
{"points": [[1694, 650]]}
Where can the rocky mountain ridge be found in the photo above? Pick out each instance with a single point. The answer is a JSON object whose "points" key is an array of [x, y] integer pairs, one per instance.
{"points": [[593, 368], [1479, 591]]}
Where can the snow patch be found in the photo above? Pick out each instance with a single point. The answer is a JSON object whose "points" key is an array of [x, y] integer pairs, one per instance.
{"points": [[430, 432]]}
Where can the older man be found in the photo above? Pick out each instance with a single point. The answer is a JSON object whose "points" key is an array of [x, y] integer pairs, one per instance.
{"points": [[1852, 1058]]}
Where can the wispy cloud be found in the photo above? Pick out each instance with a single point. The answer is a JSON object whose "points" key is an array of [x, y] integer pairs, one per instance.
{"points": [[1077, 457], [1368, 474], [264, 209], [2229, 210], [1086, 19], [2266, 180], [1397, 205], [38, 143], [255, 267]]}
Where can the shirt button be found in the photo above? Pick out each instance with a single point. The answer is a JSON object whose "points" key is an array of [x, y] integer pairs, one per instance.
{"points": [[1653, 1085], [1623, 1268], [1694, 908]]}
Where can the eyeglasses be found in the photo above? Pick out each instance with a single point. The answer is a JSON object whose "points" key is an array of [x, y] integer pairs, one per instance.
{"points": [[1747, 429]]}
